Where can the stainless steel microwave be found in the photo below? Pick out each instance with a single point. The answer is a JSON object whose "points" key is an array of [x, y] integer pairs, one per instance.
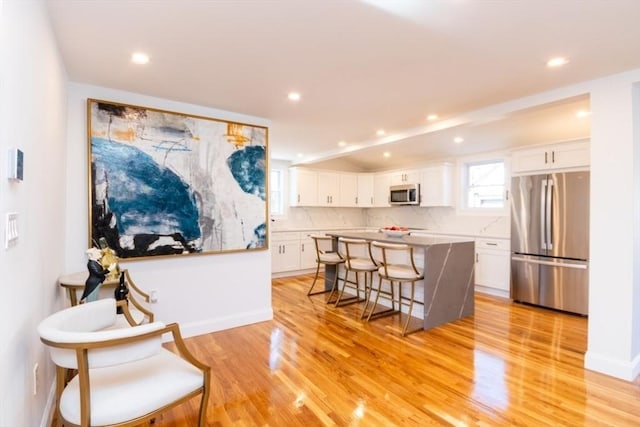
{"points": [[404, 194]]}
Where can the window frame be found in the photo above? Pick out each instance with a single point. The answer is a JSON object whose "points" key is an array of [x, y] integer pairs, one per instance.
{"points": [[464, 164], [281, 212]]}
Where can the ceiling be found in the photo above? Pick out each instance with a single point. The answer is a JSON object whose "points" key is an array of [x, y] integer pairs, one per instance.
{"points": [[359, 65]]}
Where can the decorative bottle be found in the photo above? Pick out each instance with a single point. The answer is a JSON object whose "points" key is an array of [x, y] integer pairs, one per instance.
{"points": [[121, 291]]}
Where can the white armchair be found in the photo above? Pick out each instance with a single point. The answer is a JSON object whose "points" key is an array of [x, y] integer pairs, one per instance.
{"points": [[124, 376]]}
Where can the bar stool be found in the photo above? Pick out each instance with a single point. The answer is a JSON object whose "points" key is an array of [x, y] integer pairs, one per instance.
{"points": [[358, 259], [325, 255], [396, 266]]}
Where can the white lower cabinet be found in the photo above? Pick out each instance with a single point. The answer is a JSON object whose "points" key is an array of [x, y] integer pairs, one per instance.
{"points": [[493, 264], [292, 251], [285, 251]]}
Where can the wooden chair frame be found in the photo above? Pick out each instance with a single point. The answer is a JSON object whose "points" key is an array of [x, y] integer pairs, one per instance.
{"points": [[349, 256], [132, 297], [383, 274], [319, 261], [82, 350]]}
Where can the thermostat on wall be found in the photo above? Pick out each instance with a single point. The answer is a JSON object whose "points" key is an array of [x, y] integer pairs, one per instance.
{"points": [[16, 164]]}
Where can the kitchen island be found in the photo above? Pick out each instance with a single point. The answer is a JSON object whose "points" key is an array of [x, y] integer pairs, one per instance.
{"points": [[448, 264]]}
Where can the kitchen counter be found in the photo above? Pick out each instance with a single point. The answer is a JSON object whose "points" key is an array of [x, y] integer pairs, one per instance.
{"points": [[409, 239], [448, 286]]}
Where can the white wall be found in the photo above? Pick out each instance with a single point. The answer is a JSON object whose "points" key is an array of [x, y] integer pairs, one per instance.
{"points": [[614, 292], [203, 293], [32, 118]]}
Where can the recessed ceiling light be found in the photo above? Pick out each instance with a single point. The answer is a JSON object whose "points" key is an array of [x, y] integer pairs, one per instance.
{"points": [[294, 96], [140, 58], [300, 155], [582, 114], [380, 132], [432, 117], [557, 62], [386, 154], [458, 140], [342, 144]]}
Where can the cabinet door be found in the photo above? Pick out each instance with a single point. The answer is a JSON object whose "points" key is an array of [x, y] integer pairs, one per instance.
{"points": [[328, 189], [570, 155], [493, 264], [285, 256], [365, 190], [348, 190], [533, 159], [303, 187], [405, 177], [436, 187], [381, 183], [307, 253]]}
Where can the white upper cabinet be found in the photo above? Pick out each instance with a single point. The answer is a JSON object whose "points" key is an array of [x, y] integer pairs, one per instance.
{"points": [[436, 185], [381, 184], [568, 155], [328, 189], [349, 190], [405, 177], [303, 187], [365, 190]]}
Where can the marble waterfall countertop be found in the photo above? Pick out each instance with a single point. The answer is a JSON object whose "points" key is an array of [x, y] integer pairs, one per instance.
{"points": [[408, 239], [448, 285]]}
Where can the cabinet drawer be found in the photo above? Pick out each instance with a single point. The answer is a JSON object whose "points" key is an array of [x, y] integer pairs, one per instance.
{"points": [[284, 236], [500, 244]]}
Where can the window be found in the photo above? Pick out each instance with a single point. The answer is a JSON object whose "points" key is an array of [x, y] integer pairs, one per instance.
{"points": [[276, 192], [484, 186]]}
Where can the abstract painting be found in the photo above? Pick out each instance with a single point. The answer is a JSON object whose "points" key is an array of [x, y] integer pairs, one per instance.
{"points": [[165, 183]]}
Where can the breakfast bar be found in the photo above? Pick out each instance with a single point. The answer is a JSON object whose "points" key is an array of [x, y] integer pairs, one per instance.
{"points": [[448, 286]]}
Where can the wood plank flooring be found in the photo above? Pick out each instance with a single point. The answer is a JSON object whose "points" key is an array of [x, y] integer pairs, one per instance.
{"points": [[316, 365]]}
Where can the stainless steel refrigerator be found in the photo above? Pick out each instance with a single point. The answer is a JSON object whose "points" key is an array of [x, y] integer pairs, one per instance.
{"points": [[550, 240]]}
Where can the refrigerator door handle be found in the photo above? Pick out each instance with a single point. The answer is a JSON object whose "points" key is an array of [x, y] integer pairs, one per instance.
{"points": [[549, 222], [552, 263], [543, 215]]}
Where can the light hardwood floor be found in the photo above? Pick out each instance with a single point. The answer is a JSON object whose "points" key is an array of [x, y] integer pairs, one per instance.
{"points": [[315, 365]]}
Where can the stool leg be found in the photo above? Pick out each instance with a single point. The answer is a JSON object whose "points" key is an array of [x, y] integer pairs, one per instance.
{"points": [[376, 300], [406, 322], [315, 279], [368, 284], [344, 285], [334, 287]]}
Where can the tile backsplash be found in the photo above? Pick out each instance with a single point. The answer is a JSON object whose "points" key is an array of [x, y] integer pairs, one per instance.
{"points": [[441, 220]]}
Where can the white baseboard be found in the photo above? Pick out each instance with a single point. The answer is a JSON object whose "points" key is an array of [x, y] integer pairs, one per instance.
{"points": [[47, 413], [492, 291], [292, 273], [221, 323], [626, 370]]}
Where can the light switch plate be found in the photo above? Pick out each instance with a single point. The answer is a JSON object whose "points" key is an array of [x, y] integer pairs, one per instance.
{"points": [[16, 164], [11, 230]]}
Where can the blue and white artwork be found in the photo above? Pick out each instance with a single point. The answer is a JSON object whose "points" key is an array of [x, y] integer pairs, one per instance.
{"points": [[164, 183]]}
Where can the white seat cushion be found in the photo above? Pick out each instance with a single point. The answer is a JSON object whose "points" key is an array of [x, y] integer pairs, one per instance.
{"points": [[402, 272], [125, 392], [362, 264], [332, 257]]}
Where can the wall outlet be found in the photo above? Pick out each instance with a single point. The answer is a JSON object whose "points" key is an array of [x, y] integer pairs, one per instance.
{"points": [[35, 379], [153, 296]]}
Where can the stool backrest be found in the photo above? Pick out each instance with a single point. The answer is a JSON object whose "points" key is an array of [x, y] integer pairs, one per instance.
{"points": [[323, 245], [355, 248], [387, 254]]}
